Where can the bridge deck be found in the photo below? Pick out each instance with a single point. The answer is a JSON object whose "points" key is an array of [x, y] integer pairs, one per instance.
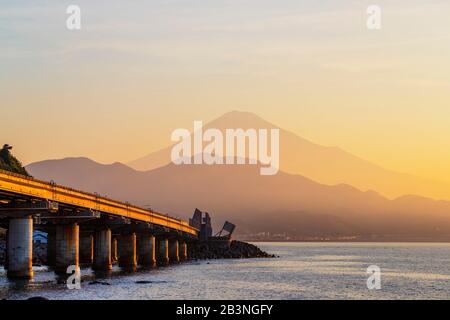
{"points": [[20, 185]]}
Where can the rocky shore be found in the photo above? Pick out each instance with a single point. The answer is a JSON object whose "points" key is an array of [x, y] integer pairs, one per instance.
{"points": [[225, 250], [200, 250]]}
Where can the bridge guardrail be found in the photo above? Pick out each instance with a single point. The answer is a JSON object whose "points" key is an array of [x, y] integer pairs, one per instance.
{"points": [[51, 191]]}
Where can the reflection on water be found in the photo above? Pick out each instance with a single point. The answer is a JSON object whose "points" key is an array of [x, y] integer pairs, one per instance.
{"points": [[303, 271]]}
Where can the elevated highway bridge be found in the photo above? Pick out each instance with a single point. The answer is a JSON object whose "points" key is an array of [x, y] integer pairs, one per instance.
{"points": [[84, 228]]}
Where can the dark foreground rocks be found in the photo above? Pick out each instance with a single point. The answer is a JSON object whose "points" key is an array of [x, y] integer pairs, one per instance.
{"points": [[99, 282], [225, 249]]}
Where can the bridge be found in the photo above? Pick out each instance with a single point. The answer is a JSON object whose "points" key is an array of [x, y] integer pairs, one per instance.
{"points": [[84, 228]]}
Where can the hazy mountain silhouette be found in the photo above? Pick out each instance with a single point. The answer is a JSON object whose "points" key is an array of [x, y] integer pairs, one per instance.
{"points": [[327, 165], [286, 203]]}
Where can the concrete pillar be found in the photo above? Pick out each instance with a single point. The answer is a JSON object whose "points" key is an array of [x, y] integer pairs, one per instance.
{"points": [[114, 250], [51, 248], [67, 243], [174, 256], [163, 252], [86, 247], [102, 256], [127, 251], [146, 250], [183, 250], [20, 248]]}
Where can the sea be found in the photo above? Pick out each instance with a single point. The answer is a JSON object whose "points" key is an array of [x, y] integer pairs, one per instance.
{"points": [[308, 270]]}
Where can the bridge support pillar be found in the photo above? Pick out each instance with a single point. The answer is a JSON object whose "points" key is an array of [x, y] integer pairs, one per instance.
{"points": [[114, 250], [20, 248], [102, 256], [146, 250], [163, 252], [127, 252], [86, 247], [183, 250], [174, 255], [67, 243]]}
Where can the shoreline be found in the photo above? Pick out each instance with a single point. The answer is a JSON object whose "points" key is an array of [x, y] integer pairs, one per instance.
{"points": [[200, 250]]}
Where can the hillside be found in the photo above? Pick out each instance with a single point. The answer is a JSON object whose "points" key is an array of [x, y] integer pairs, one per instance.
{"points": [[9, 163], [327, 165], [286, 203]]}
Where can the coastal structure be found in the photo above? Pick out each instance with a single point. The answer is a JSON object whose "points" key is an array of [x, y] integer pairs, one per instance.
{"points": [[84, 228], [202, 221]]}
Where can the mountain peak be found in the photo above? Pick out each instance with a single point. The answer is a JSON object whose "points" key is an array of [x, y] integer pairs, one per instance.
{"points": [[240, 119], [239, 113], [326, 165]]}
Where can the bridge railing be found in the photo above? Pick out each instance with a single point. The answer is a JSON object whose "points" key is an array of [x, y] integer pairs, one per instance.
{"points": [[101, 203]]}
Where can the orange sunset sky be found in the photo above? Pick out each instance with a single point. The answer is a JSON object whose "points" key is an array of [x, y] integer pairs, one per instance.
{"points": [[117, 88]]}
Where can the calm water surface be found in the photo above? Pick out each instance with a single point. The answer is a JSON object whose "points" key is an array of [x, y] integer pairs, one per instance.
{"points": [[303, 271]]}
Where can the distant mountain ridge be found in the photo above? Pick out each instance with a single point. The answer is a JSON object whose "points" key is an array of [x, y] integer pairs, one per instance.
{"points": [[292, 204], [327, 165]]}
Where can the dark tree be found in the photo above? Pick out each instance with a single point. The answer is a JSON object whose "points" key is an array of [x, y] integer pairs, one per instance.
{"points": [[9, 163]]}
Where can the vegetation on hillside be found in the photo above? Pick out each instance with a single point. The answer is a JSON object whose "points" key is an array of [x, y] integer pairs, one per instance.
{"points": [[9, 163]]}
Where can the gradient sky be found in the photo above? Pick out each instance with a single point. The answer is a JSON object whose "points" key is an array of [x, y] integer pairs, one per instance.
{"points": [[137, 70]]}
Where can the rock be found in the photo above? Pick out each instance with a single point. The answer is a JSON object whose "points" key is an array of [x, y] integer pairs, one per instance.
{"points": [[147, 282], [37, 298], [99, 282], [225, 249]]}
